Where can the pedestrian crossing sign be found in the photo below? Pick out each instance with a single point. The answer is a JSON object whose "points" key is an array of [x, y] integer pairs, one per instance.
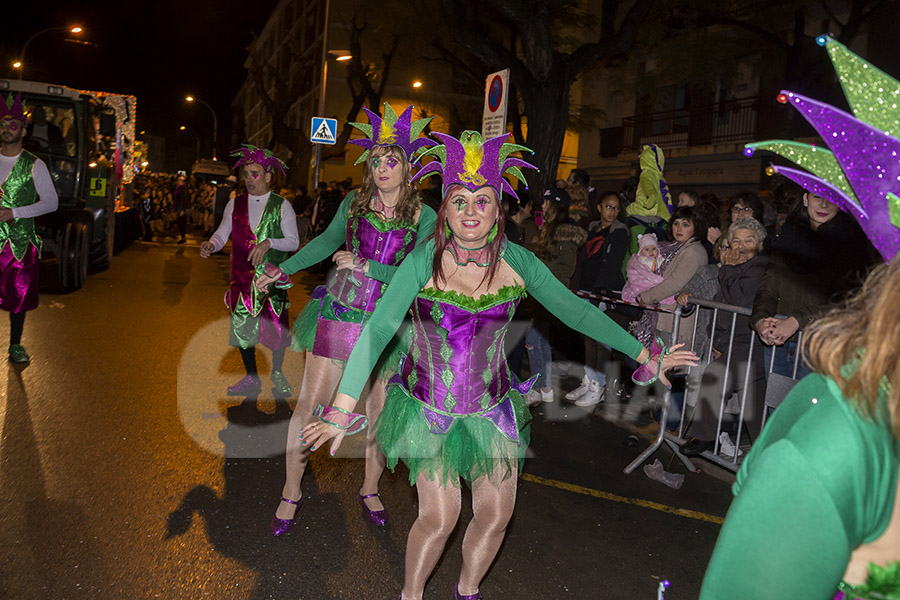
{"points": [[323, 131]]}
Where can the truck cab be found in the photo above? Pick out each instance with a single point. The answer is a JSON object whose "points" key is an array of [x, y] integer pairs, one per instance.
{"points": [[87, 140]]}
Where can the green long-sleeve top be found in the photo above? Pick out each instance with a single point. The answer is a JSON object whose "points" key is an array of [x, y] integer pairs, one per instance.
{"points": [[820, 481], [414, 273], [335, 237]]}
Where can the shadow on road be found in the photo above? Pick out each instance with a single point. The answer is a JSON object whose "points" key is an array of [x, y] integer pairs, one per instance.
{"points": [[303, 564], [176, 276], [39, 538]]}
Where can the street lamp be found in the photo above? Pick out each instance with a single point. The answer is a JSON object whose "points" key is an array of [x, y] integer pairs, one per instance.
{"points": [[215, 121], [417, 84], [19, 64]]}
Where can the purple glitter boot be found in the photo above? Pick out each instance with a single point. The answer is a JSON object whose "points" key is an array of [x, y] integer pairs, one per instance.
{"points": [[375, 517], [458, 596], [251, 385], [283, 526]]}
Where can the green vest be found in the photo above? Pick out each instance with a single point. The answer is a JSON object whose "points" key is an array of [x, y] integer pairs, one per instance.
{"points": [[270, 227], [18, 190]]}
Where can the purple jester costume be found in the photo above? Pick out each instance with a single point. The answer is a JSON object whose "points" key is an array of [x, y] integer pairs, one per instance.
{"points": [[455, 411], [337, 312]]}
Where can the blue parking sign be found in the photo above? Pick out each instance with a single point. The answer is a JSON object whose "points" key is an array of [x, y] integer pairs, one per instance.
{"points": [[323, 131]]}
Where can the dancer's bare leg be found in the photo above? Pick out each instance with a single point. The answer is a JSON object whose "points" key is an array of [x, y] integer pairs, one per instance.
{"points": [[493, 501], [438, 512], [375, 460], [320, 378]]}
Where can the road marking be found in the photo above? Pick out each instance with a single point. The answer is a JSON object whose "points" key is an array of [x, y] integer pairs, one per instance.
{"points": [[569, 487]]}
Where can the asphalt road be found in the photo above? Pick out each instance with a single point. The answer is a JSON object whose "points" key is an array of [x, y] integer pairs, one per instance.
{"points": [[126, 472]]}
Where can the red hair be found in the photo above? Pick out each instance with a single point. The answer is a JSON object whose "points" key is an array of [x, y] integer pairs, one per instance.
{"points": [[442, 240]]}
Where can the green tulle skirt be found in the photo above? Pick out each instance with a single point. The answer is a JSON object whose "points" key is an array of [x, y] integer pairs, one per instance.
{"points": [[303, 334], [471, 448]]}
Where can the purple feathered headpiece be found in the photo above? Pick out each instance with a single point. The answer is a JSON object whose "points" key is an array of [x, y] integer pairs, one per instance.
{"points": [[250, 154], [473, 163], [13, 109], [858, 168], [392, 130]]}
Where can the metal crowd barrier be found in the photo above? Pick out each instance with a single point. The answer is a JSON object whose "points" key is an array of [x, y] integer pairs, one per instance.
{"points": [[778, 387]]}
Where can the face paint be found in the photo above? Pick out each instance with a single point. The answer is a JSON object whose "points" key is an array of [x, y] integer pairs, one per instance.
{"points": [[460, 203], [10, 124], [482, 202], [254, 174], [390, 162]]}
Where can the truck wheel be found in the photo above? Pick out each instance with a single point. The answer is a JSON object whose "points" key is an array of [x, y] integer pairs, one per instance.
{"points": [[84, 253], [73, 261], [102, 253]]}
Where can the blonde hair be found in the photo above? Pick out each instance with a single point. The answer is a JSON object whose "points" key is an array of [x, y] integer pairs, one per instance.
{"points": [[856, 345]]}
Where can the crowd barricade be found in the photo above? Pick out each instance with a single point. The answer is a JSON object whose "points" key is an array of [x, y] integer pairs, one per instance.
{"points": [[777, 386]]}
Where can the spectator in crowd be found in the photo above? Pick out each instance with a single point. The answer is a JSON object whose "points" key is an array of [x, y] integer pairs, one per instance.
{"points": [[652, 206], [688, 198], [681, 260], [578, 185], [557, 247], [820, 255], [742, 270], [600, 272], [520, 226], [181, 207]]}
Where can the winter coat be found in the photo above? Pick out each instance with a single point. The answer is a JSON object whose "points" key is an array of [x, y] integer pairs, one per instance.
{"points": [[602, 258], [568, 240], [641, 278], [810, 270]]}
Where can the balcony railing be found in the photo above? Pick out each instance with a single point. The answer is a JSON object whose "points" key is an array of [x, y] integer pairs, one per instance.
{"points": [[729, 121]]}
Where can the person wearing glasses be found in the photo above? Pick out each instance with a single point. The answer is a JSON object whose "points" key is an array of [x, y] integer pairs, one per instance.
{"points": [[600, 272]]}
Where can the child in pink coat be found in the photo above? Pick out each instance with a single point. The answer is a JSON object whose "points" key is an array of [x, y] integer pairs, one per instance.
{"points": [[642, 270]]}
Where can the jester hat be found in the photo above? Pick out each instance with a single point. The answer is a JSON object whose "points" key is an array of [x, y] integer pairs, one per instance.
{"points": [[250, 154], [392, 130], [859, 171], [13, 109], [473, 163]]}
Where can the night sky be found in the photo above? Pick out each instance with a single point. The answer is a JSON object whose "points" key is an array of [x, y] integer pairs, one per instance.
{"points": [[159, 51]]}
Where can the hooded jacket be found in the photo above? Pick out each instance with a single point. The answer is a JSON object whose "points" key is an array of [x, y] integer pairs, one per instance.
{"points": [[652, 198]]}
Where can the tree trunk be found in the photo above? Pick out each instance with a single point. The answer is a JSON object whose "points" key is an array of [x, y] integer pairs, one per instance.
{"points": [[548, 115]]}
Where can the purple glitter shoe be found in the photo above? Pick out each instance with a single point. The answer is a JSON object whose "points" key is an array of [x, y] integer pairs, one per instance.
{"points": [[375, 517], [458, 596], [283, 526], [251, 385]]}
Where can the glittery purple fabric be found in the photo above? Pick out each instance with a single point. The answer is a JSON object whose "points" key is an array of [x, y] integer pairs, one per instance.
{"points": [[19, 279], [386, 247], [401, 131], [335, 339], [869, 159], [260, 156], [494, 162], [457, 365]]}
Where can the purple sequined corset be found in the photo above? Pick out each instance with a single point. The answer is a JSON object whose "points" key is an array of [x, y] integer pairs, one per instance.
{"points": [[456, 363], [367, 241]]}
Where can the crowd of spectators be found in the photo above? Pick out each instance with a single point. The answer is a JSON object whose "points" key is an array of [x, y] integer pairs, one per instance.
{"points": [[787, 256]]}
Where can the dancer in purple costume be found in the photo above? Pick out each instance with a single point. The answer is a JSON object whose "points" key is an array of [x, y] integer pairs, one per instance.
{"points": [[263, 228], [378, 226], [455, 411], [26, 192]]}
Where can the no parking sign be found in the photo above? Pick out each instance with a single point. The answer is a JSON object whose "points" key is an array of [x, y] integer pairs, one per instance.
{"points": [[496, 87]]}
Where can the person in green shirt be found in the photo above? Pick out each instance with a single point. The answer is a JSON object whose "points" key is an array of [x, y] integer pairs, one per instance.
{"points": [[454, 411], [374, 230], [815, 507]]}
